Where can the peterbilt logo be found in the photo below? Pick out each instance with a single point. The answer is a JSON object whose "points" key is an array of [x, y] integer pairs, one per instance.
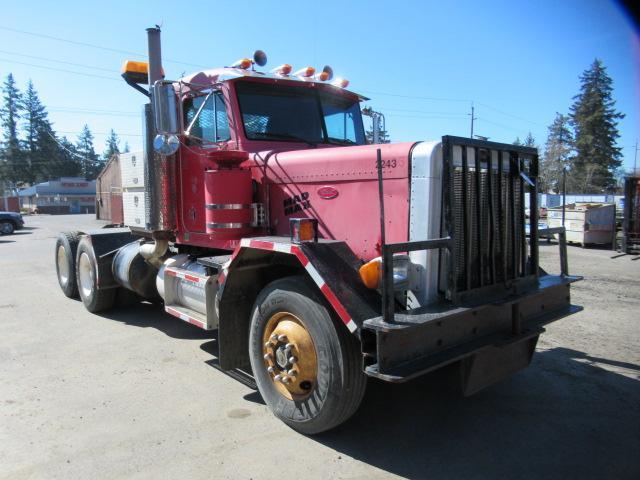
{"points": [[327, 192]]}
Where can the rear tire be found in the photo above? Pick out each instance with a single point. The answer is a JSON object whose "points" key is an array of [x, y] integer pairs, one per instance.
{"points": [[94, 299], [6, 227], [314, 399], [65, 257]]}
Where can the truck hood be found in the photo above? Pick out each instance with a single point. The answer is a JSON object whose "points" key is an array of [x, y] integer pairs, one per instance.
{"points": [[334, 164]]}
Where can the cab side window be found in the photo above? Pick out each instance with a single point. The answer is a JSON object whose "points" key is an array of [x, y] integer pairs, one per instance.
{"points": [[211, 124]]}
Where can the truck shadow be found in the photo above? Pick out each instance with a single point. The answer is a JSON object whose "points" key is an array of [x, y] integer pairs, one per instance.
{"points": [[563, 417], [148, 315], [569, 415]]}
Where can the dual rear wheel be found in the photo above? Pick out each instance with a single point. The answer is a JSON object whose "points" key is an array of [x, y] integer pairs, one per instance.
{"points": [[77, 271]]}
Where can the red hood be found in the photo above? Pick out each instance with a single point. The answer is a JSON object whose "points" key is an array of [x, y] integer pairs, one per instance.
{"points": [[333, 164]]}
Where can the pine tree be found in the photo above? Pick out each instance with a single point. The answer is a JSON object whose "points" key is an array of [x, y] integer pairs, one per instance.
{"points": [[41, 150], [557, 155], [112, 145], [91, 163], [517, 141], [126, 148], [72, 162], [10, 153], [595, 121], [529, 141]]}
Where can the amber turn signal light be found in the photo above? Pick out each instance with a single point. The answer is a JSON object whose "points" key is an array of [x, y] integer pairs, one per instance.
{"points": [[303, 230], [371, 273]]}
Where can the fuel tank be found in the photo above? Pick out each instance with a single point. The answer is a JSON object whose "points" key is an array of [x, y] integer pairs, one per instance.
{"points": [[339, 187]]}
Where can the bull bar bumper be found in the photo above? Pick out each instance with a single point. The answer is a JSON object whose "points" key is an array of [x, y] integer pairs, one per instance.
{"points": [[490, 336]]}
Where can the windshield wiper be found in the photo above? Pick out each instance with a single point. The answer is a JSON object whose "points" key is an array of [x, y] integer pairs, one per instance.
{"points": [[285, 136]]}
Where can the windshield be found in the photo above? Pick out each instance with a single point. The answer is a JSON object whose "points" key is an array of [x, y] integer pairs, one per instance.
{"points": [[299, 114]]}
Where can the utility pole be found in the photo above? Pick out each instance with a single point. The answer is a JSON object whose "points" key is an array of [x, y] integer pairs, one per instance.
{"points": [[564, 192], [472, 119], [376, 129]]}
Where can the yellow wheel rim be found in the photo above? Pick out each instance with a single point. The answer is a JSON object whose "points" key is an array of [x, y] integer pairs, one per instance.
{"points": [[290, 356]]}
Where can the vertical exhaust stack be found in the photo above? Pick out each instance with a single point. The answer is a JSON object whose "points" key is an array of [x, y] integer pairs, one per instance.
{"points": [[160, 203], [155, 55]]}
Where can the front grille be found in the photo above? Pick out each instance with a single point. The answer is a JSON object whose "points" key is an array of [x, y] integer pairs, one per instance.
{"points": [[484, 203]]}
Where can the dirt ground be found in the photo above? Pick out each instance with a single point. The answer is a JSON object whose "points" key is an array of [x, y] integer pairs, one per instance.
{"points": [[135, 393]]}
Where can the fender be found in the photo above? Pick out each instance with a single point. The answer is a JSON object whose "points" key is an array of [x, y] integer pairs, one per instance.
{"points": [[331, 265], [105, 244]]}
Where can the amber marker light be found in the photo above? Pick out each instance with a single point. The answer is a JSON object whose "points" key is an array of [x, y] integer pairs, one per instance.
{"points": [[371, 273], [305, 72], [303, 230], [340, 82], [243, 63], [284, 69]]}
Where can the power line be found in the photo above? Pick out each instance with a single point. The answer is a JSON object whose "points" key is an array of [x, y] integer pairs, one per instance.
{"points": [[61, 70], [422, 111], [102, 133], [65, 148], [92, 45], [510, 115], [93, 112], [91, 109], [92, 67], [437, 99]]}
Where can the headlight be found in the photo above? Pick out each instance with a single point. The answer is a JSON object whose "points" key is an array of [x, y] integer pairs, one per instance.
{"points": [[405, 273]]}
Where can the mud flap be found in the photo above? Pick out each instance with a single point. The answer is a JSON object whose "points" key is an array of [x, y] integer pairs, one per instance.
{"points": [[494, 363]]}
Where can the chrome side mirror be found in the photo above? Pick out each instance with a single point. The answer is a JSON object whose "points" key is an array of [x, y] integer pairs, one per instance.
{"points": [[165, 109]]}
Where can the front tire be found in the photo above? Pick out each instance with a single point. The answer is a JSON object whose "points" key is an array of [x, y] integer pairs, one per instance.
{"points": [[94, 299], [7, 228], [307, 365]]}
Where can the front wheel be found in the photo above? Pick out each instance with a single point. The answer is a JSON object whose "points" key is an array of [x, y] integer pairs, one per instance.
{"points": [[306, 365], [6, 228]]}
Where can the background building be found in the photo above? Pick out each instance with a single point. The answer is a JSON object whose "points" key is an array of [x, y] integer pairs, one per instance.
{"points": [[66, 195], [109, 192]]}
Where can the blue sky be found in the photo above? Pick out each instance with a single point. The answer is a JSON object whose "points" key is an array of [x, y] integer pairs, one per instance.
{"points": [[422, 63]]}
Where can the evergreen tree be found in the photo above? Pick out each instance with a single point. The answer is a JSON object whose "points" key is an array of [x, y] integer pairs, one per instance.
{"points": [[557, 155], [72, 162], [595, 121], [529, 141], [517, 141], [126, 148], [91, 163], [383, 135], [10, 153], [112, 145], [41, 150]]}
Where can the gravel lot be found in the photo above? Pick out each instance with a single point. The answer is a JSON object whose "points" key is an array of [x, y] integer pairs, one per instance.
{"points": [[135, 393]]}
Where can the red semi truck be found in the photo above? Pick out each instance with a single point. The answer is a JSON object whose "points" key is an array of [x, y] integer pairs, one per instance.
{"points": [[257, 209]]}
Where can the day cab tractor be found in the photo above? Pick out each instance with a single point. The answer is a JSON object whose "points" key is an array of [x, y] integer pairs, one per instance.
{"points": [[258, 210]]}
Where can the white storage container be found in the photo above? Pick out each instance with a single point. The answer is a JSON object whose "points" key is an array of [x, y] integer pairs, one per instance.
{"points": [[132, 168], [133, 205], [585, 223]]}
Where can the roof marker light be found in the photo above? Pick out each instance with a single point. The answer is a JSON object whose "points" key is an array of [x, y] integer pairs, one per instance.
{"points": [[305, 72], [325, 75], [284, 69], [340, 82], [243, 63]]}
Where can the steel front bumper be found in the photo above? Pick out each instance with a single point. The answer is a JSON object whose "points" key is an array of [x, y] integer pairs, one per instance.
{"points": [[492, 339]]}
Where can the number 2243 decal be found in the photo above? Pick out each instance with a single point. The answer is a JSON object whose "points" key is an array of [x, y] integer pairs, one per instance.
{"points": [[387, 163]]}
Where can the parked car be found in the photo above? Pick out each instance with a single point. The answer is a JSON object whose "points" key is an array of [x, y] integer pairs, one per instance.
{"points": [[10, 221]]}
